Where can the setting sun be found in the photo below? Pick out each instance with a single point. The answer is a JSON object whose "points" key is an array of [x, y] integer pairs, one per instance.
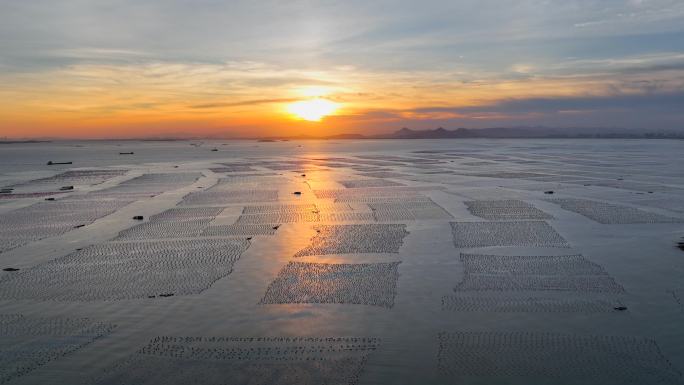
{"points": [[312, 110]]}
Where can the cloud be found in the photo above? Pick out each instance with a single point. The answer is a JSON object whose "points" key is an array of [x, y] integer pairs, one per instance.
{"points": [[649, 102], [255, 102], [647, 110]]}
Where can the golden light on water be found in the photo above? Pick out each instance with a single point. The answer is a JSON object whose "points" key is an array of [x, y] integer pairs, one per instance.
{"points": [[312, 110]]}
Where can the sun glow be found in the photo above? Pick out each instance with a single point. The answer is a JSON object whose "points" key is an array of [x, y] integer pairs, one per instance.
{"points": [[312, 110]]}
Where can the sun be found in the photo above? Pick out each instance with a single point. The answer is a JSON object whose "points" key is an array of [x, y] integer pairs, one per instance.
{"points": [[312, 110]]}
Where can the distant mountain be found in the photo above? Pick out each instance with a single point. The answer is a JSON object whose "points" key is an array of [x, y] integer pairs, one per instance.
{"points": [[439, 133], [528, 132], [347, 136], [23, 141], [539, 132], [504, 133]]}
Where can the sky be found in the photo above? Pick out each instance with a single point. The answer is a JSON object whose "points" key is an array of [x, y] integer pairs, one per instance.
{"points": [[194, 68]]}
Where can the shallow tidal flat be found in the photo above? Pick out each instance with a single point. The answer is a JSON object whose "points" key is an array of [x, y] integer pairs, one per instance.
{"points": [[350, 262]]}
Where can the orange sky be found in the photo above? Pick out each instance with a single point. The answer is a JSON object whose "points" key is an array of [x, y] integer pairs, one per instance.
{"points": [[162, 99]]}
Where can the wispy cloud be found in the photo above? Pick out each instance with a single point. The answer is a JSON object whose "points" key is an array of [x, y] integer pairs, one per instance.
{"points": [[256, 102]]}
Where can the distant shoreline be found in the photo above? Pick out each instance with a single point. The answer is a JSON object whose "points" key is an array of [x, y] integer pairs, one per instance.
{"points": [[277, 140], [438, 133], [24, 141]]}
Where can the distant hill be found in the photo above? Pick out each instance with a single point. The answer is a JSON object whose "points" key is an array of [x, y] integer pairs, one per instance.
{"points": [[439, 133], [347, 136], [539, 132], [527, 132], [503, 133], [23, 141]]}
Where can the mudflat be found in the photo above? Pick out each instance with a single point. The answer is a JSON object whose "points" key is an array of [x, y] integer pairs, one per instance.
{"points": [[342, 262]]}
